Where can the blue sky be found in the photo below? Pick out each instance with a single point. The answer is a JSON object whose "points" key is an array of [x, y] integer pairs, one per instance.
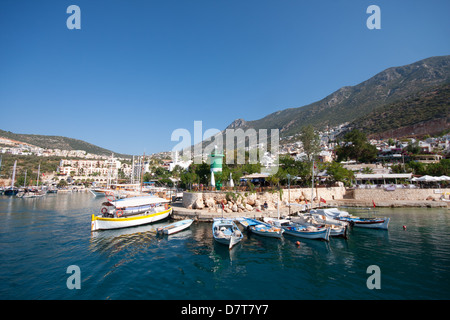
{"points": [[138, 70]]}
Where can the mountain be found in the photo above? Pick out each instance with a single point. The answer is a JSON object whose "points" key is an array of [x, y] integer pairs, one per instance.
{"points": [[57, 142], [424, 112], [353, 102]]}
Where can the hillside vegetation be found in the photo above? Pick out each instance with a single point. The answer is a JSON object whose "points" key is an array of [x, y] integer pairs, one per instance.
{"points": [[56, 142], [432, 105], [353, 102]]}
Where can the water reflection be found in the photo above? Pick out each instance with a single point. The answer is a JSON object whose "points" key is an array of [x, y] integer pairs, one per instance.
{"points": [[119, 239]]}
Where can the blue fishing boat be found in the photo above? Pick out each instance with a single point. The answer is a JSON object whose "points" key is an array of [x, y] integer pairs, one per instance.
{"points": [[260, 228], [299, 230]]}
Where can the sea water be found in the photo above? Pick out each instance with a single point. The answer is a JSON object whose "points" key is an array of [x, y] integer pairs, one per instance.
{"points": [[40, 239]]}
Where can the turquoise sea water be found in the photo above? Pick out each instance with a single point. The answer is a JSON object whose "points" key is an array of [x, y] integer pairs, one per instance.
{"points": [[41, 238]]}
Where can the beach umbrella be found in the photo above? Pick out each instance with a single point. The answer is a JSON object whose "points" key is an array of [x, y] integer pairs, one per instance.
{"points": [[426, 178], [444, 178], [231, 181]]}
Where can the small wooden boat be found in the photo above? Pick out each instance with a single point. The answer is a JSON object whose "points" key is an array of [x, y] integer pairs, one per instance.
{"points": [[337, 228], [336, 214], [175, 227], [261, 228], [130, 212], [372, 223], [299, 230], [225, 231]]}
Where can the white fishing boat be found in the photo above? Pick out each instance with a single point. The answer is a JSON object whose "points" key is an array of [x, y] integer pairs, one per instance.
{"points": [[336, 214], [226, 232], [175, 227], [299, 230], [130, 212], [260, 228]]}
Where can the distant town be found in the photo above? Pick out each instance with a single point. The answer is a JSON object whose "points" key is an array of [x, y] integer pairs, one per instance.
{"points": [[81, 166]]}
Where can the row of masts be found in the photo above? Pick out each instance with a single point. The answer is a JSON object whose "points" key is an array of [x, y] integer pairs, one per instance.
{"points": [[137, 171], [13, 178]]}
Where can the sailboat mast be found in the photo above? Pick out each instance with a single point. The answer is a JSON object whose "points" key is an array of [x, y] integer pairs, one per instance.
{"points": [[142, 171], [312, 185], [39, 172], [14, 174]]}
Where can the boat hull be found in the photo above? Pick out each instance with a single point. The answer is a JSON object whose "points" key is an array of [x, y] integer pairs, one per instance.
{"points": [[260, 228], [232, 236], [176, 227], [323, 234], [371, 223], [270, 234], [11, 192], [101, 223]]}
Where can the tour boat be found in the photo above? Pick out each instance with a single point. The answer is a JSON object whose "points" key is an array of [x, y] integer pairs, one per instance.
{"points": [[226, 232], [175, 227], [299, 230], [130, 212], [260, 228]]}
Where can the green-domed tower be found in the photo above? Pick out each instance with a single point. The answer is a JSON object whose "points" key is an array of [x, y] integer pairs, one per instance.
{"points": [[216, 160]]}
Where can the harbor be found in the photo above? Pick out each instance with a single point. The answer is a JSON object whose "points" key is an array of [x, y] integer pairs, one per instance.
{"points": [[42, 237]]}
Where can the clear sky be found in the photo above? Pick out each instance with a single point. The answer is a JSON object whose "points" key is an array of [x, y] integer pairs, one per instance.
{"points": [[137, 70]]}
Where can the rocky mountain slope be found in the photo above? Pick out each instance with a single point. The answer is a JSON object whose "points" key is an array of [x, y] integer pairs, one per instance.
{"points": [[353, 102]]}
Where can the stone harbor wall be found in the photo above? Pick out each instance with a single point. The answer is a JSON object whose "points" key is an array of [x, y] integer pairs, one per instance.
{"points": [[400, 194], [247, 201], [236, 202]]}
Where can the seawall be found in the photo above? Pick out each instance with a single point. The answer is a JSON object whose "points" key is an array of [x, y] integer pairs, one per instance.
{"points": [[207, 205]]}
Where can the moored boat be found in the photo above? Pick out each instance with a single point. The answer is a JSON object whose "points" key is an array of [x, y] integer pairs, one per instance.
{"points": [[130, 212], [371, 223], [261, 228], [337, 228], [175, 227], [11, 191], [336, 214], [31, 193], [299, 230], [226, 232]]}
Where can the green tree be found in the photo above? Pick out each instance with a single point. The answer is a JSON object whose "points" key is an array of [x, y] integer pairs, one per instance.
{"points": [[62, 183], [338, 173], [356, 147], [311, 141]]}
